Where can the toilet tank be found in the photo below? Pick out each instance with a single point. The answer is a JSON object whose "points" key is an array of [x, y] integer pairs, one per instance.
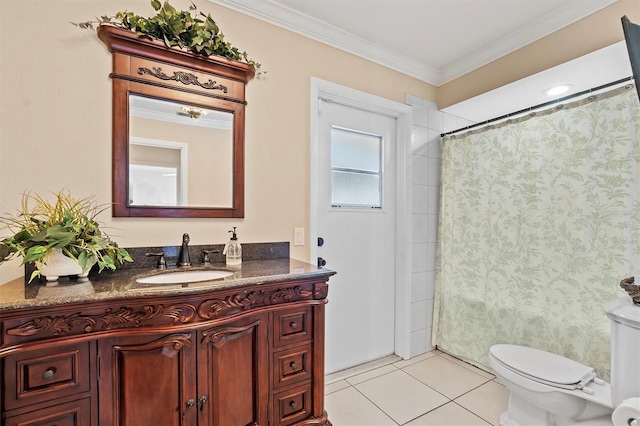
{"points": [[625, 349]]}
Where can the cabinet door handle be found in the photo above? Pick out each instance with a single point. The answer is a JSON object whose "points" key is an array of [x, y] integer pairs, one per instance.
{"points": [[190, 403], [48, 375], [203, 400], [293, 365]]}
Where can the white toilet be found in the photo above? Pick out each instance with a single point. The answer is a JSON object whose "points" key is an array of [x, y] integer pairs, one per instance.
{"points": [[548, 389]]}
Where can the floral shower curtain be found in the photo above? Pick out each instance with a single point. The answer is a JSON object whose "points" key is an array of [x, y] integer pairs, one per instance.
{"points": [[539, 222]]}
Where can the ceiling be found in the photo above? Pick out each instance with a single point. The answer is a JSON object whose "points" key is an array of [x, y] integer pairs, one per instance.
{"points": [[432, 40], [437, 41]]}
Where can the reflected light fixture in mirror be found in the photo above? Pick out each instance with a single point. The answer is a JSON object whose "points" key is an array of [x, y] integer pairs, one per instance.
{"points": [[178, 130]]}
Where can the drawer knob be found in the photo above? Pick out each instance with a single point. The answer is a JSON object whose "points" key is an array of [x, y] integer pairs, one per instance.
{"points": [[48, 375], [294, 325], [293, 365], [293, 405]]}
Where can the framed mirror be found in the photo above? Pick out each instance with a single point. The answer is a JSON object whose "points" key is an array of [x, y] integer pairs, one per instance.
{"points": [[178, 130]]}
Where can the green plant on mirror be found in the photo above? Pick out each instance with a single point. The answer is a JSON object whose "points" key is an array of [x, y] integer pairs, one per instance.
{"points": [[178, 28], [68, 224]]}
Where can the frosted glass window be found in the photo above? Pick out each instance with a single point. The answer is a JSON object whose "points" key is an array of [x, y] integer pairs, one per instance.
{"points": [[356, 171]]}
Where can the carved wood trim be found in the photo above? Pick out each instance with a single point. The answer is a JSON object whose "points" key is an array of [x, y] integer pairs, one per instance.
{"points": [[320, 291], [109, 320], [323, 420], [126, 317], [220, 335], [173, 342], [183, 77], [241, 301]]}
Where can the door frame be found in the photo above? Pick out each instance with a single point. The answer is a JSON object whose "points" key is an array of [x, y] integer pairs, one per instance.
{"points": [[322, 90]]}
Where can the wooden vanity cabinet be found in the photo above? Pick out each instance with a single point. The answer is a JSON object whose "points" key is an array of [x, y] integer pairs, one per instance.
{"points": [[251, 355], [51, 386], [209, 376]]}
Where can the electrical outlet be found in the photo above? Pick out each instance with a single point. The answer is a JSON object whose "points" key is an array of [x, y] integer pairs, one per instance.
{"points": [[298, 236]]}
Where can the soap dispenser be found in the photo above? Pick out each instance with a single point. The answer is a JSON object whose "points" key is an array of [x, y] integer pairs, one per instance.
{"points": [[233, 250]]}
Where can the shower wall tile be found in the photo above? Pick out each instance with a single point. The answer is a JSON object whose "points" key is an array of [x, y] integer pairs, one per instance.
{"points": [[431, 256], [432, 228], [418, 290], [419, 140], [450, 123], [431, 284], [419, 199], [429, 315], [420, 226], [419, 257], [419, 343], [428, 346], [426, 148], [433, 193], [420, 169], [436, 120], [434, 142], [420, 115], [433, 171], [461, 122], [419, 312]]}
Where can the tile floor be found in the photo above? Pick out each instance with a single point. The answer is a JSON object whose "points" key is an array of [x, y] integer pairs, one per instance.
{"points": [[431, 389]]}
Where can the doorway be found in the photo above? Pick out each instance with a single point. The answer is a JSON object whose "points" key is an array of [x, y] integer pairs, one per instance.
{"points": [[355, 228]]}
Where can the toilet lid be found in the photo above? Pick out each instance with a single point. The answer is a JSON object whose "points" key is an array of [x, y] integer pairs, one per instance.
{"points": [[543, 366]]}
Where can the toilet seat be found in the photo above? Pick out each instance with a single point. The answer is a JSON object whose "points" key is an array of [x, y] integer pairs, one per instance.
{"points": [[545, 367]]}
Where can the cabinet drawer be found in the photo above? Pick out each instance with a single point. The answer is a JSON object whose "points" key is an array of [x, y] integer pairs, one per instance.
{"points": [[292, 366], [292, 326], [293, 405], [41, 375], [76, 413]]}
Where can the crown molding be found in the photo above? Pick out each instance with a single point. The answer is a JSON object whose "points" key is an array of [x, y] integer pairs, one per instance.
{"points": [[284, 17], [292, 20], [533, 31]]}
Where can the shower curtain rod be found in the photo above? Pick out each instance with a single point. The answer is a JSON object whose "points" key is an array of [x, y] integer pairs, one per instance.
{"points": [[542, 105]]}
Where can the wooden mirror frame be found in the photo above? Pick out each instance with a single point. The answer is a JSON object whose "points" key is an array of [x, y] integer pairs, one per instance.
{"points": [[147, 67]]}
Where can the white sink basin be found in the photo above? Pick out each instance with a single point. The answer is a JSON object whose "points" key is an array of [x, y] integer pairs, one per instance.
{"points": [[182, 277]]}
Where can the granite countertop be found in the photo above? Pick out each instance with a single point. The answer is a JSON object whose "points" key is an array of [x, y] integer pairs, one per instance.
{"points": [[122, 283]]}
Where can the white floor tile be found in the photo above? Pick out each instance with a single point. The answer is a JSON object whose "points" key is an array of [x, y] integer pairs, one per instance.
{"points": [[335, 386], [446, 377], [450, 414], [354, 380], [401, 396], [415, 392], [469, 366], [408, 362], [487, 401], [348, 407], [358, 369]]}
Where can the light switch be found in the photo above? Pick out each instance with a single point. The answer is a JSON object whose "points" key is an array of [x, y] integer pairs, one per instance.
{"points": [[298, 236]]}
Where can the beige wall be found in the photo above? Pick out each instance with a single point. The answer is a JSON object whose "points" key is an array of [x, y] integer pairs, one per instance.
{"points": [[55, 117], [594, 32], [55, 110]]}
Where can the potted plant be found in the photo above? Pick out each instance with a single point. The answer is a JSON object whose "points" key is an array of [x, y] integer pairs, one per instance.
{"points": [[178, 28], [42, 230]]}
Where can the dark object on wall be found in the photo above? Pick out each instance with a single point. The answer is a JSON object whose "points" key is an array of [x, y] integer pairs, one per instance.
{"points": [[632, 37]]}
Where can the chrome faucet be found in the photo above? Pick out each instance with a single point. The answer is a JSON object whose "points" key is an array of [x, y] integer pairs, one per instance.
{"points": [[183, 257]]}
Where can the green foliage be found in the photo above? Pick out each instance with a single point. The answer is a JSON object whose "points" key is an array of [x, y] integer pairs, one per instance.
{"points": [[68, 224], [178, 28]]}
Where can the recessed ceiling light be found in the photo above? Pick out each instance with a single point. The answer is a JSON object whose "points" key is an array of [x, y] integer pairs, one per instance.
{"points": [[558, 90]]}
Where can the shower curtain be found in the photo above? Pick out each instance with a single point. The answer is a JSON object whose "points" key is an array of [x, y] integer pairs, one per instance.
{"points": [[539, 222]]}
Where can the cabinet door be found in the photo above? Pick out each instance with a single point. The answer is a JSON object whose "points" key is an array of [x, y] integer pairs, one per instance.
{"points": [[148, 380], [76, 413], [233, 381]]}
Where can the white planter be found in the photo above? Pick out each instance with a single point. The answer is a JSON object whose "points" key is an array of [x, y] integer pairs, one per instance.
{"points": [[59, 265]]}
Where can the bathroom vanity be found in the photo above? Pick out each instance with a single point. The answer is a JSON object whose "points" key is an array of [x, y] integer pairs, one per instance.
{"points": [[244, 350]]}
